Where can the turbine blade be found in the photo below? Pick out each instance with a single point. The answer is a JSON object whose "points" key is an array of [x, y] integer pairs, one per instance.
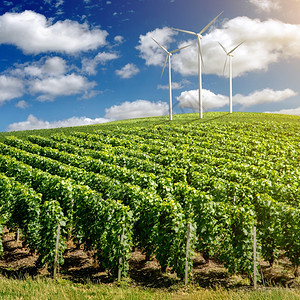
{"points": [[162, 47], [236, 47], [164, 66], [200, 52], [210, 23], [174, 51], [186, 31], [223, 48], [225, 65]]}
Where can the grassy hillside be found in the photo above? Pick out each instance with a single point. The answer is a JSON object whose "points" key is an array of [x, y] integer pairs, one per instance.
{"points": [[152, 185], [182, 119]]}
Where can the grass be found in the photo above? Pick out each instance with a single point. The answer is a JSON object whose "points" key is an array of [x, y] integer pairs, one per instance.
{"points": [[30, 289], [180, 119]]}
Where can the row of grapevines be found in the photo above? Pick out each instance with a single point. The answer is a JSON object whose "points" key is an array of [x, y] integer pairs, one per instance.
{"points": [[165, 216], [107, 218], [203, 154], [178, 234], [105, 155], [165, 175], [217, 167], [253, 147], [21, 207], [152, 214], [221, 191], [284, 187]]}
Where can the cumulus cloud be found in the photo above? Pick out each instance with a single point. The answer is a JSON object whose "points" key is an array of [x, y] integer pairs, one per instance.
{"points": [[10, 88], [149, 50], [33, 122], [22, 104], [175, 85], [34, 34], [89, 65], [264, 96], [67, 85], [119, 39], [291, 111], [189, 99], [54, 66], [265, 5], [128, 71], [266, 42], [48, 78], [47, 66], [136, 109]]}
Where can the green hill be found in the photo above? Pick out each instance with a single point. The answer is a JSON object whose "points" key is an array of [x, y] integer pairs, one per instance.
{"points": [[167, 188], [217, 117]]}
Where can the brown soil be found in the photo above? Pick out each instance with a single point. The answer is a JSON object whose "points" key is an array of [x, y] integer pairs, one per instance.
{"points": [[79, 266]]}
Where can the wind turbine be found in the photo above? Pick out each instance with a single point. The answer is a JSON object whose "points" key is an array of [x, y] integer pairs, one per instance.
{"points": [[229, 54], [199, 37], [168, 57]]}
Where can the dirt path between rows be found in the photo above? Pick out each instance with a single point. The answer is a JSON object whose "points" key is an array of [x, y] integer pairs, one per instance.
{"points": [[79, 266]]}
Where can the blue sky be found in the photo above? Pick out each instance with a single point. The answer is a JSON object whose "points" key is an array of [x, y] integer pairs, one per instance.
{"points": [[68, 63]]}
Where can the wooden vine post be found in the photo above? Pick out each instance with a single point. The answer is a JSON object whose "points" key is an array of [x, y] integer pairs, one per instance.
{"points": [[55, 270], [120, 258], [254, 259], [18, 235], [187, 254]]}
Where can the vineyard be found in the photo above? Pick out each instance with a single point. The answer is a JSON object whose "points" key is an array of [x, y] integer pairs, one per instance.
{"points": [[170, 189]]}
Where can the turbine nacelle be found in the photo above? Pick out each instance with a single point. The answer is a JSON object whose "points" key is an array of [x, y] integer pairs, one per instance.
{"points": [[229, 53], [200, 58], [169, 53]]}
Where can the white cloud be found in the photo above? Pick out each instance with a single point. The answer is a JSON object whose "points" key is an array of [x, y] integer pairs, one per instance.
{"points": [[128, 71], [266, 42], [264, 96], [22, 104], [47, 66], [49, 78], [291, 111], [175, 85], [149, 50], [34, 123], [104, 57], [34, 34], [136, 109], [189, 99], [52, 87], [119, 39], [265, 5], [59, 3], [10, 88], [56, 4], [55, 66], [89, 65]]}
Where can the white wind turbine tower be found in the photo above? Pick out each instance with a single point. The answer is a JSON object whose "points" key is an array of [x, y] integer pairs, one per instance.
{"points": [[199, 37], [168, 56], [229, 54]]}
